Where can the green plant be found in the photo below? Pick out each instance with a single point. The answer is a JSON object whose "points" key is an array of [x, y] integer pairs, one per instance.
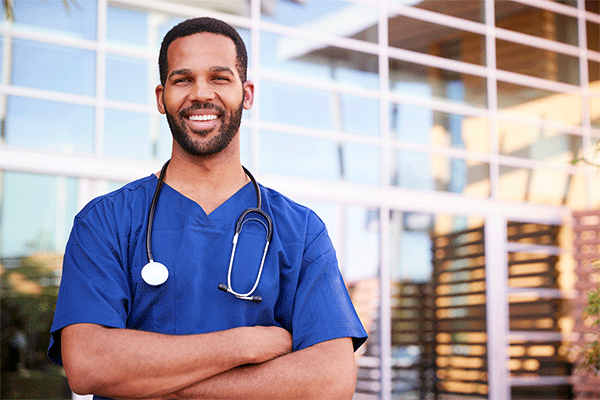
{"points": [[589, 354]]}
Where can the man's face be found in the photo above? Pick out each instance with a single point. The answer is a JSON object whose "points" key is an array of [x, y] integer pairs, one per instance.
{"points": [[203, 96]]}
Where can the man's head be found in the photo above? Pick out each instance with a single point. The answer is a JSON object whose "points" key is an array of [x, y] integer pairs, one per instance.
{"points": [[200, 25]]}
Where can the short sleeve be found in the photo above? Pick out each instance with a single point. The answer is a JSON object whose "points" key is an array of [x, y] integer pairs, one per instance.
{"points": [[93, 287], [323, 309]]}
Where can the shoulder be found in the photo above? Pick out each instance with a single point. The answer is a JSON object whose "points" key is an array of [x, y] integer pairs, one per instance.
{"points": [[292, 219], [287, 209], [120, 202]]}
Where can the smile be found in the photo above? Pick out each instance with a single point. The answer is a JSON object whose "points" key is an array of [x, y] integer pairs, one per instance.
{"points": [[202, 117]]}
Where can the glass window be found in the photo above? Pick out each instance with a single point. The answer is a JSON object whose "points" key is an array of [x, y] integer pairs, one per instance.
{"points": [[437, 280], [437, 83], [317, 60], [37, 213], [126, 26], [340, 18], [593, 33], [415, 170], [536, 62], [52, 67], [294, 105], [537, 143], [126, 135], [545, 105], [414, 124], [48, 125], [360, 263], [538, 22], [127, 78], [594, 75], [438, 40], [466, 9], [595, 110], [318, 158], [75, 18], [299, 156], [358, 115], [538, 186]]}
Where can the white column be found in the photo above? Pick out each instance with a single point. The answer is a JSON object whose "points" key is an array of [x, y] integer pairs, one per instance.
{"points": [[496, 284]]}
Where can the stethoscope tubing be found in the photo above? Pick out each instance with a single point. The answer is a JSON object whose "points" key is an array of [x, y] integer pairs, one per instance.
{"points": [[238, 228]]}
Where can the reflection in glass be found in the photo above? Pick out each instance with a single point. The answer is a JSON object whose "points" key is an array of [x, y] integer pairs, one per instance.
{"points": [[465, 9], [541, 186], [340, 18], [423, 171], [295, 105], [544, 105], [536, 62], [361, 271], [414, 124], [126, 135], [536, 143], [126, 26], [315, 60], [438, 312], [127, 78], [595, 110], [48, 125], [593, 31], [318, 158], [437, 83], [538, 22], [594, 75], [78, 20], [37, 213], [65, 69], [438, 40]]}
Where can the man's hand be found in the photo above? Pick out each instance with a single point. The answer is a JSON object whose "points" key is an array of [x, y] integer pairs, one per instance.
{"points": [[267, 342]]}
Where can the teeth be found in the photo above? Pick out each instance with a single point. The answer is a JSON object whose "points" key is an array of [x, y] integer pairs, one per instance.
{"points": [[202, 117]]}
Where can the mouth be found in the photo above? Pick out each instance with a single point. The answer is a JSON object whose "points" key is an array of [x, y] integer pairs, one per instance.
{"points": [[207, 117], [201, 119]]}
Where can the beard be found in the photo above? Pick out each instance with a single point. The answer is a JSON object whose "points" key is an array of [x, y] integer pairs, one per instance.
{"points": [[229, 128]]}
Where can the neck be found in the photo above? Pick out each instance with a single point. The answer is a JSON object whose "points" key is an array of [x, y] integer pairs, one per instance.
{"points": [[209, 181]]}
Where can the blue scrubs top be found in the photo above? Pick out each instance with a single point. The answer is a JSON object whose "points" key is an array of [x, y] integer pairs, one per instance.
{"points": [[301, 286]]}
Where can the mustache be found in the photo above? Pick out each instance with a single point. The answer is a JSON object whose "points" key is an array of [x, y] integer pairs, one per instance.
{"points": [[202, 106]]}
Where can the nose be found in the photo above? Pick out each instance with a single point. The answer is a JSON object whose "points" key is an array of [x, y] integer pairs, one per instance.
{"points": [[201, 91]]}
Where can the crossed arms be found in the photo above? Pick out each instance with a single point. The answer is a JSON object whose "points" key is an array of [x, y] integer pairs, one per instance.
{"points": [[247, 362]]}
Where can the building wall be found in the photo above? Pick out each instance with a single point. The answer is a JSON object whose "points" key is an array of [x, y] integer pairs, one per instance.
{"points": [[394, 121]]}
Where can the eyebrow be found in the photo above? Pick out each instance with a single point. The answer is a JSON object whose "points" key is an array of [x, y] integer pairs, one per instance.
{"points": [[187, 71]]}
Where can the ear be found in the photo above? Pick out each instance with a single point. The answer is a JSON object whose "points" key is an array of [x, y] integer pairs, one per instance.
{"points": [[160, 103], [248, 94]]}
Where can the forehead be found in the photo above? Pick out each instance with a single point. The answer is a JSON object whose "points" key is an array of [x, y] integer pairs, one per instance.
{"points": [[201, 49]]}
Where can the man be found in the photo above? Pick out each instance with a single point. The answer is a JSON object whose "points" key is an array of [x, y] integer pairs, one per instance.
{"points": [[120, 337]]}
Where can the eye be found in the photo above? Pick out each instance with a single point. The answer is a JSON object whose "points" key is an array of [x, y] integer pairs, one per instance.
{"points": [[221, 78]]}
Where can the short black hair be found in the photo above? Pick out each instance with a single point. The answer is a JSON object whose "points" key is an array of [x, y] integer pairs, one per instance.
{"points": [[200, 25]]}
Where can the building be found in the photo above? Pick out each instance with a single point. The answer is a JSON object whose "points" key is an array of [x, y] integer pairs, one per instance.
{"points": [[407, 125]]}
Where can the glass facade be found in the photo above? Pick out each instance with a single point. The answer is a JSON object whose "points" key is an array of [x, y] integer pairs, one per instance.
{"points": [[434, 138]]}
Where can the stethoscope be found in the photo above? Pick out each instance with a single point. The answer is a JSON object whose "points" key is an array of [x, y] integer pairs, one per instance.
{"points": [[155, 273]]}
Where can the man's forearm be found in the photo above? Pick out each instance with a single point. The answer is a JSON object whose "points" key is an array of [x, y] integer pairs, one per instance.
{"points": [[326, 370], [123, 363]]}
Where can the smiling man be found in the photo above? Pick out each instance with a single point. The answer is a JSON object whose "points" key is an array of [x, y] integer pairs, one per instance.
{"points": [[169, 333]]}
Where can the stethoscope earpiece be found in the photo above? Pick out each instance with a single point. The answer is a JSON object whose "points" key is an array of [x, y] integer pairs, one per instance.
{"points": [[155, 273]]}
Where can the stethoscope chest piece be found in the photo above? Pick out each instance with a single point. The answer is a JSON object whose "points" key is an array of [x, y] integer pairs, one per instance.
{"points": [[155, 273]]}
